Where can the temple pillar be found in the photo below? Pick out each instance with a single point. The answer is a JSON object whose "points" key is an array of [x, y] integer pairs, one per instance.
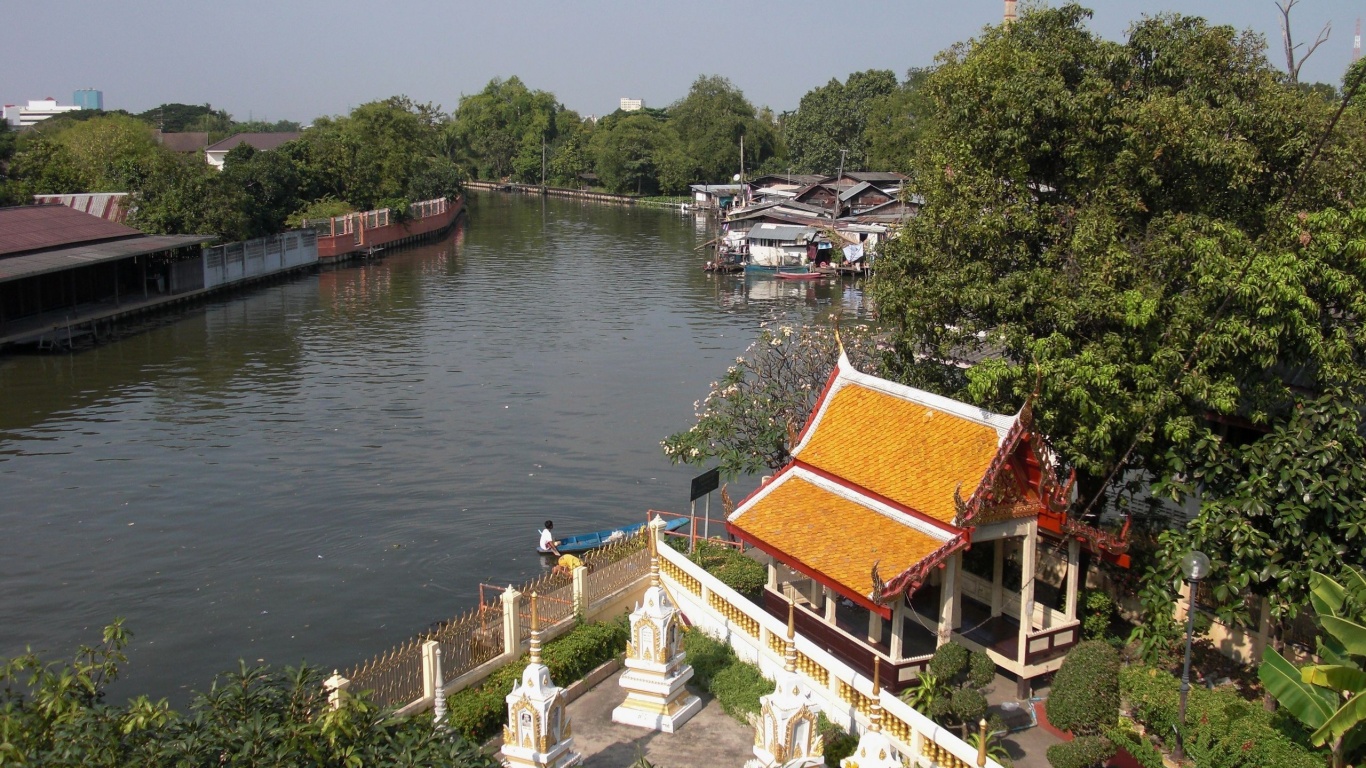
{"points": [[814, 590], [832, 603], [948, 595], [874, 627], [898, 629], [1073, 577], [998, 568], [1028, 565], [773, 576], [955, 564]]}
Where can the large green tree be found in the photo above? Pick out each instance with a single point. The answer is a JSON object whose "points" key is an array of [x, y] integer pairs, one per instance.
{"points": [[1162, 233], [503, 128], [630, 148], [710, 122], [836, 117]]}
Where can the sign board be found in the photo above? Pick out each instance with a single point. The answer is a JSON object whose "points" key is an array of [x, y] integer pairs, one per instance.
{"points": [[705, 483]]}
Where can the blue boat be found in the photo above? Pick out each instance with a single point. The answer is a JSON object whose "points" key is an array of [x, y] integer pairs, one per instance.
{"points": [[583, 542]]}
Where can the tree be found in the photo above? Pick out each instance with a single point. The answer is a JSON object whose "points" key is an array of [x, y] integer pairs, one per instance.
{"points": [[1329, 697], [627, 149], [894, 123], [1112, 219], [749, 418], [503, 126], [107, 151], [836, 117], [55, 714], [710, 122]]}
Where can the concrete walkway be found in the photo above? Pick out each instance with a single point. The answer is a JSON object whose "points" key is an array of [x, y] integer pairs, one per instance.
{"points": [[711, 738]]}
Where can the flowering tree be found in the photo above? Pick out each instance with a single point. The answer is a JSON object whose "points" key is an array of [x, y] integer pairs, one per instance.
{"points": [[748, 420]]}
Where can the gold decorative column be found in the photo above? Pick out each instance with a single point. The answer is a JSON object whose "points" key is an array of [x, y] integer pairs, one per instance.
{"points": [[537, 734], [785, 728], [874, 749], [655, 676]]}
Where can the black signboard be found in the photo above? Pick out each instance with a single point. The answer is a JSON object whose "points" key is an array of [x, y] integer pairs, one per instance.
{"points": [[705, 483]]}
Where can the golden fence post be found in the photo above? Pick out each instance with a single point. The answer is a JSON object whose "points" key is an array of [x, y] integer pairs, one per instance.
{"points": [[982, 743]]}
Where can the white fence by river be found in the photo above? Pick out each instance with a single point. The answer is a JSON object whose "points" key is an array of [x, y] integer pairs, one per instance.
{"points": [[251, 259]]}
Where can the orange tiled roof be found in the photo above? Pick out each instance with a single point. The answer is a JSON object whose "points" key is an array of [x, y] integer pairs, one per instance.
{"points": [[908, 452], [832, 534]]}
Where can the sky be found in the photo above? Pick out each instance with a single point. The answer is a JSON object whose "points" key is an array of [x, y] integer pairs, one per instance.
{"points": [[299, 59]]}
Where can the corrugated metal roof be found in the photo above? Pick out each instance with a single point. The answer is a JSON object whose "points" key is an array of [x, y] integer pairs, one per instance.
{"points": [[30, 265], [262, 141], [780, 232], [37, 227]]}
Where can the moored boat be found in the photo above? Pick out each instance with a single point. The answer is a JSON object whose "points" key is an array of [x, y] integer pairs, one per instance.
{"points": [[583, 542]]}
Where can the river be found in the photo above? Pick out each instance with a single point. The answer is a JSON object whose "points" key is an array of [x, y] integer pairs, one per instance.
{"points": [[319, 468]]}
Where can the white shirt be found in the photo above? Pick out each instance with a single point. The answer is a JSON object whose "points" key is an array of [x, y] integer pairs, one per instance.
{"points": [[547, 538]]}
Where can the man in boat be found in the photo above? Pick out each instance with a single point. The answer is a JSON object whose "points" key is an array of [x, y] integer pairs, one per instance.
{"points": [[548, 545]]}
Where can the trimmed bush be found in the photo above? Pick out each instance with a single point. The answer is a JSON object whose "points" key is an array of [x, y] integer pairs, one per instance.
{"points": [[1083, 752], [1085, 695], [948, 661]]}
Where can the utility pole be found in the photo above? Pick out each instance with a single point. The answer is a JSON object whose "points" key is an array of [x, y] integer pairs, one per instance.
{"points": [[835, 214], [1356, 43], [543, 163]]}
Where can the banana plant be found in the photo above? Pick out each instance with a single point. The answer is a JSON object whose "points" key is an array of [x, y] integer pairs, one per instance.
{"points": [[1329, 697]]}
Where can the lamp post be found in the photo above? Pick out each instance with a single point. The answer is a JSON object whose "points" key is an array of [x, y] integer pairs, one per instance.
{"points": [[1194, 566]]}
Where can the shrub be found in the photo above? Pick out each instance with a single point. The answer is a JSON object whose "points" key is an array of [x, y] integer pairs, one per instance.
{"points": [[707, 655], [948, 661], [478, 713], [738, 688], [1142, 750], [736, 684], [1085, 696], [1222, 730], [968, 705], [1099, 610], [1082, 752], [981, 670], [839, 743], [732, 568]]}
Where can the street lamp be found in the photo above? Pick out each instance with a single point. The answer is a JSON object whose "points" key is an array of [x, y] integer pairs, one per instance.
{"points": [[1194, 566]]}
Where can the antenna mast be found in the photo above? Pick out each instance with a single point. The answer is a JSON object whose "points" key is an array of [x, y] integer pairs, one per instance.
{"points": [[1356, 43]]}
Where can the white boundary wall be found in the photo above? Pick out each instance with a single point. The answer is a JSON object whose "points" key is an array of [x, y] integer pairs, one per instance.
{"points": [[843, 695]]}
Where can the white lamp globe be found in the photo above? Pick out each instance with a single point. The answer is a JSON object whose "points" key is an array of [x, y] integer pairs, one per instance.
{"points": [[1195, 565]]}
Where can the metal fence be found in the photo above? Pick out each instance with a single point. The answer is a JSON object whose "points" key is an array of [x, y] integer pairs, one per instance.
{"points": [[393, 678], [615, 566]]}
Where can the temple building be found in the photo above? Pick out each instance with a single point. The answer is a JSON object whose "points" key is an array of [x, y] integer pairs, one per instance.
{"points": [[906, 520]]}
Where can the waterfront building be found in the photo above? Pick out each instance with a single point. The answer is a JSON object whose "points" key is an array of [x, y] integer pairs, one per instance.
{"points": [[36, 111], [262, 142], [944, 520]]}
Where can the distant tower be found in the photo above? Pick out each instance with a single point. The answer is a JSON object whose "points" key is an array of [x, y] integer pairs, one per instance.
{"points": [[89, 98], [1010, 12], [1356, 43]]}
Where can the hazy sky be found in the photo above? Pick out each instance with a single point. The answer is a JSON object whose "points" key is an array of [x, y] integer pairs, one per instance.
{"points": [[297, 59]]}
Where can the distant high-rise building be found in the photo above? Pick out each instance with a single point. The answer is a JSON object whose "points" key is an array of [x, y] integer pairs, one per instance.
{"points": [[35, 112], [89, 98], [631, 105]]}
